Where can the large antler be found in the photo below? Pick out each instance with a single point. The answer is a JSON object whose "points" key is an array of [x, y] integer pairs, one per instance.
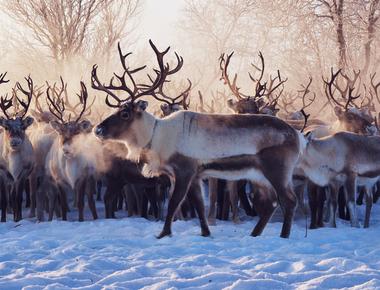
{"points": [[137, 90], [5, 103], [83, 96], [224, 62], [28, 93], [331, 86], [55, 101]]}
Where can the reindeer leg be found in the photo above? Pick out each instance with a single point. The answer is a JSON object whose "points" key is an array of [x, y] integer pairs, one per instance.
{"points": [[313, 197], [321, 202], [288, 202], [242, 196], [3, 199], [33, 189], [52, 203], [63, 198], [234, 200], [212, 192], [131, 200], [333, 190], [27, 193], [265, 203], [17, 206], [368, 205], [350, 199], [90, 190], [80, 188], [181, 187], [99, 190], [195, 197], [362, 192], [377, 192]]}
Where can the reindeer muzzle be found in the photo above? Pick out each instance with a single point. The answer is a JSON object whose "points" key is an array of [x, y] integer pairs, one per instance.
{"points": [[15, 143]]}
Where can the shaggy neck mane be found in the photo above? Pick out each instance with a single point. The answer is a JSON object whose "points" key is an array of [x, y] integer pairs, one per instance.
{"points": [[142, 135]]}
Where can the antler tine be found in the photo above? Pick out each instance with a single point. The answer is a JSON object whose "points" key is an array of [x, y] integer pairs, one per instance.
{"points": [[5, 104], [223, 64], [375, 86], [328, 87], [37, 94], [28, 93], [83, 96], [305, 92], [96, 84], [271, 89], [138, 90], [55, 104], [351, 98], [260, 88], [287, 101], [2, 76], [306, 117], [161, 74]]}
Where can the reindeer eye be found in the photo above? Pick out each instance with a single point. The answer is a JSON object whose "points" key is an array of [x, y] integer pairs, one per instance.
{"points": [[124, 115]]}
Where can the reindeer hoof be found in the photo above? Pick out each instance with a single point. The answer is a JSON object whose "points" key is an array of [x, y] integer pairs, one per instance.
{"points": [[206, 233], [163, 234]]}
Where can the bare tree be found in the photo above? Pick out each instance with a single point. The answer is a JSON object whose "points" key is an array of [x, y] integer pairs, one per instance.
{"points": [[66, 27], [371, 17]]}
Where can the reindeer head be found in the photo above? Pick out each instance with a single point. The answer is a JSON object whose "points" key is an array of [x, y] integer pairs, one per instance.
{"points": [[69, 129], [125, 123], [16, 124], [263, 101], [351, 117]]}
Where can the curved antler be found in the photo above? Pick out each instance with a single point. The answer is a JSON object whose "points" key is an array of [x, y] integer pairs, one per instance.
{"points": [[137, 90]]}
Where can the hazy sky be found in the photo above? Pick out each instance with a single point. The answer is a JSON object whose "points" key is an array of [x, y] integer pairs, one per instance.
{"points": [[159, 19]]}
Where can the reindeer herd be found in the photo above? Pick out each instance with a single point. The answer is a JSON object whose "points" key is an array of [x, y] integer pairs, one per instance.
{"points": [[268, 154]]}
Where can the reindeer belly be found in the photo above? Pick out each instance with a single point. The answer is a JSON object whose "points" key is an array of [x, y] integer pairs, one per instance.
{"points": [[234, 168], [222, 145]]}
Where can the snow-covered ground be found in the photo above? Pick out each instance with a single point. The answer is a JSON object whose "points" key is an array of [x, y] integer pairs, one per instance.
{"points": [[124, 254]]}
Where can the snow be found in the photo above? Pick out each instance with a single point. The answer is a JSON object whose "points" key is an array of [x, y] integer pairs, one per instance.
{"points": [[124, 254]]}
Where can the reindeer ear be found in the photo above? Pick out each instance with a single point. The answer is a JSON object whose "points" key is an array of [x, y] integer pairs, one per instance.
{"points": [[56, 126], [141, 106], [338, 111], [27, 122], [231, 103], [309, 136], [85, 126]]}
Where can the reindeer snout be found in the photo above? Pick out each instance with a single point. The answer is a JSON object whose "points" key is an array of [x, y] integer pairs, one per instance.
{"points": [[15, 143]]}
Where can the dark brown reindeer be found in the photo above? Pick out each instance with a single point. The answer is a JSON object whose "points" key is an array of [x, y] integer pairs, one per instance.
{"points": [[264, 98], [17, 151], [67, 165], [188, 146]]}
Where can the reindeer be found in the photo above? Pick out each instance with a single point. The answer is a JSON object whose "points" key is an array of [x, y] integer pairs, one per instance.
{"points": [[246, 104], [180, 146], [344, 157], [121, 172], [42, 137], [351, 118], [67, 166], [17, 151]]}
